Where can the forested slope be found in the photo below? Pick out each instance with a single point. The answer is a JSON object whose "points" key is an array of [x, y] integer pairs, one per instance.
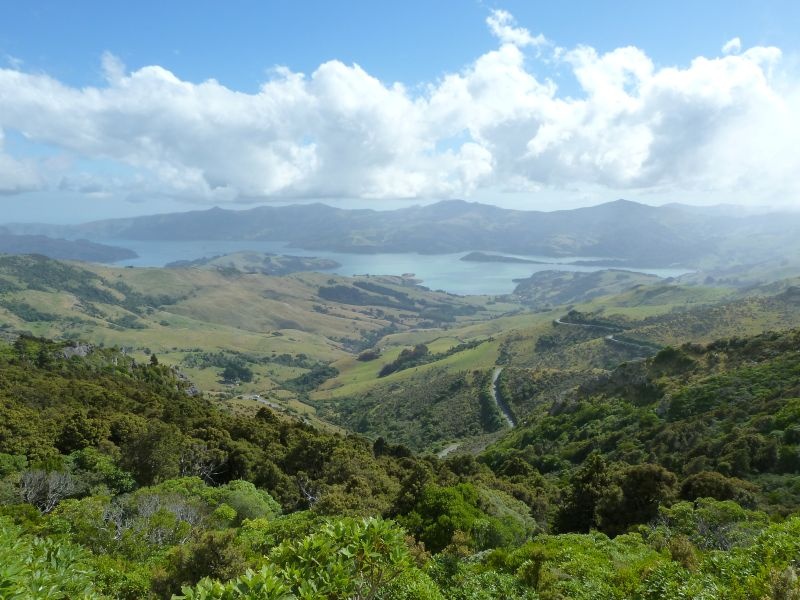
{"points": [[728, 408], [116, 482]]}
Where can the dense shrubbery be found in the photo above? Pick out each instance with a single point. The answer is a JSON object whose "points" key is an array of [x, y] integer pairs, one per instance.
{"points": [[429, 407], [33, 568], [235, 366], [420, 355], [119, 459], [722, 418], [367, 293], [409, 357], [114, 483], [318, 374], [369, 354], [26, 312], [352, 295]]}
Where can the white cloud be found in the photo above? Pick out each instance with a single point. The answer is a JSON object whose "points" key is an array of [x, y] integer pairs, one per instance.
{"points": [[733, 46], [14, 62], [113, 68], [16, 175], [718, 125], [502, 25]]}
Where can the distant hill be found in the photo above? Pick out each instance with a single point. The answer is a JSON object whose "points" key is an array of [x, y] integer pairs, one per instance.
{"points": [[555, 288], [621, 230], [62, 249]]}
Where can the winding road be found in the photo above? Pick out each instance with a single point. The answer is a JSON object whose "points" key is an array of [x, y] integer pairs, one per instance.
{"points": [[610, 337], [449, 449], [501, 404], [498, 399], [586, 325]]}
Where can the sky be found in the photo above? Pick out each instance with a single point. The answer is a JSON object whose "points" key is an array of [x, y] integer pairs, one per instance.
{"points": [[116, 109]]}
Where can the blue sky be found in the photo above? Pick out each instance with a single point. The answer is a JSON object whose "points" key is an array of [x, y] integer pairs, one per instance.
{"points": [[412, 41], [76, 156]]}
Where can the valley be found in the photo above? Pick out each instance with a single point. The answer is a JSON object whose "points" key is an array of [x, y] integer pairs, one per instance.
{"points": [[221, 389], [378, 355], [399, 301]]}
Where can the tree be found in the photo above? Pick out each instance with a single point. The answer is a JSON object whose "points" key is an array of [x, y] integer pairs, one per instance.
{"points": [[46, 489], [441, 512], [345, 559], [154, 455], [644, 487], [710, 484], [236, 372], [215, 554], [80, 431], [592, 489], [43, 358], [198, 459], [248, 501]]}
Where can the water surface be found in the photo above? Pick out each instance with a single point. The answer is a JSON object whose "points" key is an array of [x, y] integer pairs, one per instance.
{"points": [[436, 271]]}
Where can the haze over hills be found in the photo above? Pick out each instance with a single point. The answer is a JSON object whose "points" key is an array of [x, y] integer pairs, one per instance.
{"points": [[61, 248], [622, 231]]}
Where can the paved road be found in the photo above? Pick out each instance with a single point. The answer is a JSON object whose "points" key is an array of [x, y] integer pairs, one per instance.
{"points": [[610, 337], [498, 399], [586, 325], [449, 449]]}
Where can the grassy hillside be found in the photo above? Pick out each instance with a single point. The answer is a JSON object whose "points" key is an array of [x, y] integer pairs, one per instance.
{"points": [[653, 316], [548, 289], [331, 349], [408, 406], [422, 410], [280, 329]]}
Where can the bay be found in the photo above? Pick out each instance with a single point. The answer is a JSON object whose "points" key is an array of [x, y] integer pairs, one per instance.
{"points": [[437, 271]]}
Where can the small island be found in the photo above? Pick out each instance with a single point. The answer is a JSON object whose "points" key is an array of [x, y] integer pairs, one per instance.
{"points": [[499, 258], [258, 262], [613, 263]]}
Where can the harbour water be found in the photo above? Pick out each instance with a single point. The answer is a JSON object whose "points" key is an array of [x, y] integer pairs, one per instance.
{"points": [[436, 271]]}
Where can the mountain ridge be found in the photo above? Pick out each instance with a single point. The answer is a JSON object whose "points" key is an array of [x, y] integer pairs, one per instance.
{"points": [[59, 248], [654, 236]]}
